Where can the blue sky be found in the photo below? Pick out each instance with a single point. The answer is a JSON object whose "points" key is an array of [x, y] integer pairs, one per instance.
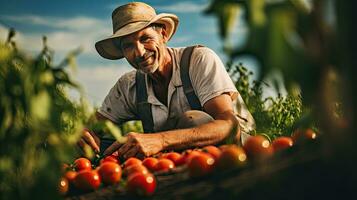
{"points": [[72, 24]]}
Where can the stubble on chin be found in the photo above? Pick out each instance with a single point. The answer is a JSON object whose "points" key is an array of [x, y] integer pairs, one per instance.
{"points": [[149, 70]]}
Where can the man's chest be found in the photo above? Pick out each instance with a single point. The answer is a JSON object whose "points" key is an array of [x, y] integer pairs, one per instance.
{"points": [[161, 93]]}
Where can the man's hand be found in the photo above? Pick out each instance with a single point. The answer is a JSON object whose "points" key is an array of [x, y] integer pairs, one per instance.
{"points": [[89, 138], [137, 145]]}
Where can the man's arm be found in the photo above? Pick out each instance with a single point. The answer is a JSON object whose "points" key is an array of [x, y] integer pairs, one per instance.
{"points": [[224, 126]]}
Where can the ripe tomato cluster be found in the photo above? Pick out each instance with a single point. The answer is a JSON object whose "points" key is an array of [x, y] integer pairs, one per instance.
{"points": [[81, 176], [139, 175]]}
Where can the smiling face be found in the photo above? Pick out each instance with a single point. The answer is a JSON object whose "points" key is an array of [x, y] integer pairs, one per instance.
{"points": [[145, 49]]}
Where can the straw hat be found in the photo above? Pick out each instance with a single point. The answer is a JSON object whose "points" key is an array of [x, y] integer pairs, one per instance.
{"points": [[128, 19]]}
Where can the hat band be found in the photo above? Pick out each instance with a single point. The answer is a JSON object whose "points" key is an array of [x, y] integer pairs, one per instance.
{"points": [[128, 24]]}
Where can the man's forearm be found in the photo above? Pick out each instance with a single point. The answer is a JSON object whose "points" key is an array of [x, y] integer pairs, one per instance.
{"points": [[213, 132]]}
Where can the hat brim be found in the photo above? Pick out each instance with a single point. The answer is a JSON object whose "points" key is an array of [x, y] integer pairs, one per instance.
{"points": [[108, 48]]}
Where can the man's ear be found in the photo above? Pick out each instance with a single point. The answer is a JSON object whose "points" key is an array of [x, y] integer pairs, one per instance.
{"points": [[163, 33]]}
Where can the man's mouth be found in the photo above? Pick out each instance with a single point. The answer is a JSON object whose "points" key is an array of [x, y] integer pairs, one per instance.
{"points": [[145, 60]]}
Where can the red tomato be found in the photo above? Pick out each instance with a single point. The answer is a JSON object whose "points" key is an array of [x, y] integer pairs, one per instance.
{"points": [[70, 175], [150, 163], [87, 180], [164, 164], [110, 173], [232, 156], [200, 165], [258, 147], [141, 184], [223, 146], [82, 164], [214, 151], [135, 168], [281, 143], [303, 134], [63, 186], [186, 157], [173, 156], [110, 158], [131, 161]]}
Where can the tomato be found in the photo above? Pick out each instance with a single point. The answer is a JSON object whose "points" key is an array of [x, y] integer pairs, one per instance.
{"points": [[200, 165], [214, 151], [110, 158], [63, 186], [164, 164], [131, 161], [135, 168], [303, 134], [142, 184], [223, 146], [186, 157], [173, 156], [87, 180], [282, 142], [258, 147], [70, 175], [232, 156], [150, 163], [110, 173], [82, 164]]}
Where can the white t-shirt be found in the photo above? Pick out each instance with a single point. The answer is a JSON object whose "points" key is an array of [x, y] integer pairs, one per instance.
{"points": [[209, 79]]}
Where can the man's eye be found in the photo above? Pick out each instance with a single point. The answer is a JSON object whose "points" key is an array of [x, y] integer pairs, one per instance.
{"points": [[125, 46], [145, 39]]}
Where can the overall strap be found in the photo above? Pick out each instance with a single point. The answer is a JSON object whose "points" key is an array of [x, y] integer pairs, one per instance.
{"points": [[185, 78], [144, 107], [142, 104]]}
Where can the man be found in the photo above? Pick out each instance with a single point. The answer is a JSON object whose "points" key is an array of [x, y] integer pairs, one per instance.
{"points": [[157, 92]]}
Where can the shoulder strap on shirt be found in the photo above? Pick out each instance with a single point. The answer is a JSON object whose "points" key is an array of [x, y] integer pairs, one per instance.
{"points": [[144, 107], [142, 104], [185, 78]]}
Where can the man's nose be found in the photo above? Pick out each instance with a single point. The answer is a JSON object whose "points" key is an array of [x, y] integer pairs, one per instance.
{"points": [[139, 50]]}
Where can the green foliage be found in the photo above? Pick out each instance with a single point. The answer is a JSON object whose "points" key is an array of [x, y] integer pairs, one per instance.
{"points": [[39, 124], [274, 116]]}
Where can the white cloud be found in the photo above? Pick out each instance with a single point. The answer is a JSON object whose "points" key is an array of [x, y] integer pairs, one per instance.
{"points": [[179, 7], [75, 23], [180, 40], [3, 33], [183, 7], [69, 33], [98, 80]]}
